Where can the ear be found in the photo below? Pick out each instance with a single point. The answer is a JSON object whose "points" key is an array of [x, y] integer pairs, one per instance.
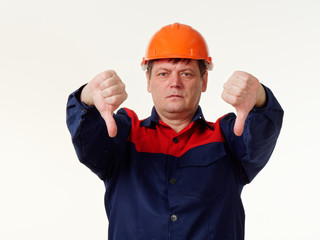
{"points": [[205, 82], [148, 82]]}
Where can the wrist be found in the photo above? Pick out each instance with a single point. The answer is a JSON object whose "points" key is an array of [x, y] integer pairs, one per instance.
{"points": [[86, 96], [261, 97]]}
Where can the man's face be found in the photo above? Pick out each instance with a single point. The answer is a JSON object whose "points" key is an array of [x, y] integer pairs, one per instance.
{"points": [[176, 87]]}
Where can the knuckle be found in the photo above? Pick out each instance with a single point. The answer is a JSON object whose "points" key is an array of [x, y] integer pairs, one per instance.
{"points": [[233, 100], [107, 74], [111, 100], [223, 96], [93, 84], [104, 84], [112, 72], [104, 75], [125, 96], [246, 79], [238, 93], [224, 85], [107, 92], [236, 73]]}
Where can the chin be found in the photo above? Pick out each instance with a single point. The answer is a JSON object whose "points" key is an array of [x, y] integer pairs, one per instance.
{"points": [[176, 109]]}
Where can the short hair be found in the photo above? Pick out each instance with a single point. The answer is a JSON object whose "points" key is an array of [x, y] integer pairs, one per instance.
{"points": [[201, 64]]}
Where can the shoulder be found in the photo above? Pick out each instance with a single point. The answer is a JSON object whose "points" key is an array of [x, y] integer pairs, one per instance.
{"points": [[126, 111], [223, 126], [223, 120], [130, 115]]}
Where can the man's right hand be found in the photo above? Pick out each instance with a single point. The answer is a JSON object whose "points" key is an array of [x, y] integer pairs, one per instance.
{"points": [[106, 92]]}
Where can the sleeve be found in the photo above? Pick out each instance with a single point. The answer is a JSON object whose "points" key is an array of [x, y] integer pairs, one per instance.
{"points": [[254, 147], [93, 146]]}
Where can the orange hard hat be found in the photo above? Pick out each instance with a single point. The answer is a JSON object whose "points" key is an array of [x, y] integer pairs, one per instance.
{"points": [[177, 41]]}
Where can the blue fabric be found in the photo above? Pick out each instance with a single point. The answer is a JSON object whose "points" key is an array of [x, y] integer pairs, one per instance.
{"points": [[162, 185]]}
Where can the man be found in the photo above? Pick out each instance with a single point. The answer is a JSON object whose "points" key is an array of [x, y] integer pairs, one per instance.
{"points": [[174, 175]]}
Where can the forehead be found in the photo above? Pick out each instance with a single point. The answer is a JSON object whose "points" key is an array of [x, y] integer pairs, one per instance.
{"points": [[171, 64]]}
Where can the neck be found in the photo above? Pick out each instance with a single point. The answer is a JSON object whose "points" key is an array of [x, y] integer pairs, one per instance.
{"points": [[177, 121]]}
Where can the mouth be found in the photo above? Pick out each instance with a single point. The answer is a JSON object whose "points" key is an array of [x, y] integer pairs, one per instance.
{"points": [[175, 96]]}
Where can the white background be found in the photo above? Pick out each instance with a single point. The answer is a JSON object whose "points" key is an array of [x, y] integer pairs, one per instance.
{"points": [[50, 48]]}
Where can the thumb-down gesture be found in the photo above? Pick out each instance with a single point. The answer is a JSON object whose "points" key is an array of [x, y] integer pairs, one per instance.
{"points": [[107, 92], [243, 91]]}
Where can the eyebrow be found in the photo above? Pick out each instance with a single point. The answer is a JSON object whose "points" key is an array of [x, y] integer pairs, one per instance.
{"points": [[164, 68], [181, 70]]}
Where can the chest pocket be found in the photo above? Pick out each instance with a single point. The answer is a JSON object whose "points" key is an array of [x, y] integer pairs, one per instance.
{"points": [[203, 156], [205, 172]]}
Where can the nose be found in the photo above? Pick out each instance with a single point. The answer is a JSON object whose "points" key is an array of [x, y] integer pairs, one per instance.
{"points": [[175, 80]]}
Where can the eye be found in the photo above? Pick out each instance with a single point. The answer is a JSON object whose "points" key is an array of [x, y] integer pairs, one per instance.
{"points": [[186, 74], [162, 74]]}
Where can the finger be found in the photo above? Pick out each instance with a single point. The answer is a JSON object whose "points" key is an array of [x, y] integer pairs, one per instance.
{"points": [[109, 82], [101, 77], [115, 101], [106, 74], [235, 83], [231, 98], [110, 122], [113, 90], [240, 122], [236, 91]]}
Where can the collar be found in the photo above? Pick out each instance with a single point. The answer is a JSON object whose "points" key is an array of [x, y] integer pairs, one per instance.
{"points": [[153, 120]]}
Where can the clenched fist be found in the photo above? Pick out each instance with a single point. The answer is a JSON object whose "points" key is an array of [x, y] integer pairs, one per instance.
{"points": [[243, 91], [106, 92]]}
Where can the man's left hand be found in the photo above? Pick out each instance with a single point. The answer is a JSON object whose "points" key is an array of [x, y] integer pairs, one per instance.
{"points": [[243, 91]]}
